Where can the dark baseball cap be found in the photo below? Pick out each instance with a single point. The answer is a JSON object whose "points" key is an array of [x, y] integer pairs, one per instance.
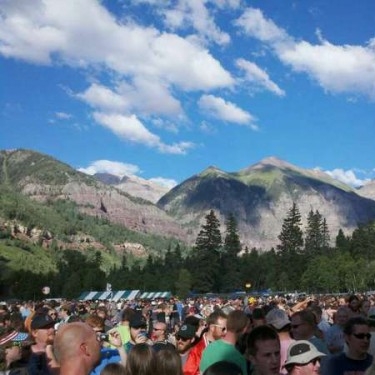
{"points": [[42, 321], [138, 321], [186, 331]]}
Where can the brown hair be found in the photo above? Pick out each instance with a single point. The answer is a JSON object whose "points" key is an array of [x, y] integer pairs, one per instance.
{"points": [[168, 362], [95, 321], [140, 360]]}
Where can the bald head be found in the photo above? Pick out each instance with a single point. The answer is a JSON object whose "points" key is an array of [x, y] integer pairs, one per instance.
{"points": [[76, 343]]}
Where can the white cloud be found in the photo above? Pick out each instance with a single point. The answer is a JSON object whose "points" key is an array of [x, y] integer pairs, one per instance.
{"points": [[253, 23], [115, 168], [195, 14], [256, 75], [130, 128], [169, 183], [64, 31], [336, 68], [347, 177], [63, 115], [226, 111]]}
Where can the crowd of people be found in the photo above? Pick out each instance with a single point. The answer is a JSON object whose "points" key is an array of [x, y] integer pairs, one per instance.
{"points": [[326, 335]]}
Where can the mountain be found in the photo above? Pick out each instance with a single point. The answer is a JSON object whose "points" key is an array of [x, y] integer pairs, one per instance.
{"points": [[367, 190], [44, 178], [261, 195], [135, 186]]}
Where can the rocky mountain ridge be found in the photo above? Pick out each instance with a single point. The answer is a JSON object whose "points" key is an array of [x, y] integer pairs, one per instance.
{"points": [[259, 197], [135, 186]]}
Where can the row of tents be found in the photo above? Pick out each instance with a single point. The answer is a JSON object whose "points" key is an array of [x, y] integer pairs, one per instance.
{"points": [[122, 294]]}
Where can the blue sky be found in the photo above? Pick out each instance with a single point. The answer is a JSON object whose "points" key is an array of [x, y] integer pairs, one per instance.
{"points": [[163, 89]]}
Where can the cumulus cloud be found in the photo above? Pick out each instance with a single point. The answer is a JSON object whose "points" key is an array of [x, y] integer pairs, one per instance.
{"points": [[169, 183], [120, 170], [257, 76], [336, 68], [347, 177], [64, 31], [226, 111], [115, 168], [195, 14], [130, 128]]}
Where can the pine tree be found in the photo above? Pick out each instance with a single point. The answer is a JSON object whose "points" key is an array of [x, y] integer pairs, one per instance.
{"points": [[314, 241], [230, 261], [206, 258], [290, 247]]}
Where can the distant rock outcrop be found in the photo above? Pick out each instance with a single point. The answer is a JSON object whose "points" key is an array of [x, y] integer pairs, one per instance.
{"points": [[135, 186]]}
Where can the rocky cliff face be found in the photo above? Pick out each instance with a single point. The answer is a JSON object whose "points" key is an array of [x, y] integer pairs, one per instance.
{"points": [[260, 197], [41, 177], [135, 186], [368, 190]]}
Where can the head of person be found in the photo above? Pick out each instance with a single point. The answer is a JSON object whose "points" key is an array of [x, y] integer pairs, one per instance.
{"points": [[13, 347], [101, 311], [317, 311], [168, 362], [126, 315], [365, 307], [138, 326], [303, 325], [342, 316], [303, 358], [258, 317], [159, 330], [184, 338], [223, 368], [113, 369], [357, 337], [263, 350], [53, 314], [278, 319], [65, 311], [354, 303], [237, 323], [42, 329], [76, 345], [217, 324], [97, 324], [141, 360]]}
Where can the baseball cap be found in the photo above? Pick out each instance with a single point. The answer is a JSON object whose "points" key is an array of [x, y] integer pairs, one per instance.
{"points": [[302, 352], [186, 331], [138, 321], [42, 321], [277, 318]]}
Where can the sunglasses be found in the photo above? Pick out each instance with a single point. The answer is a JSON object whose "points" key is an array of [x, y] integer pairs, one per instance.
{"points": [[223, 329], [362, 336], [178, 338]]}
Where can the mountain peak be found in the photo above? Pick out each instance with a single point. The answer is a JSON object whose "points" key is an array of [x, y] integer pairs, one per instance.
{"points": [[274, 162]]}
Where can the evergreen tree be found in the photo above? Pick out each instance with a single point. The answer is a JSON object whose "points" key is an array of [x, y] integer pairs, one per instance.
{"points": [[290, 247], [206, 257], [316, 234], [230, 261]]}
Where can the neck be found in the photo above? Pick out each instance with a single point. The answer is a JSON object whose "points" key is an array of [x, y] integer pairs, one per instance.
{"points": [[76, 368], [230, 338], [356, 355], [209, 336]]}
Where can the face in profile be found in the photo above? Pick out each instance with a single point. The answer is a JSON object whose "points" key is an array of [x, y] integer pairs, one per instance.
{"points": [[267, 357]]}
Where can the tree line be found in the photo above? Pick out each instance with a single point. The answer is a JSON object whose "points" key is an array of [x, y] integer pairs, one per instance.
{"points": [[303, 259]]}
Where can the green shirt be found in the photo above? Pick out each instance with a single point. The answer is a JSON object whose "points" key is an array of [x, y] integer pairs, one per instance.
{"points": [[221, 350]]}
